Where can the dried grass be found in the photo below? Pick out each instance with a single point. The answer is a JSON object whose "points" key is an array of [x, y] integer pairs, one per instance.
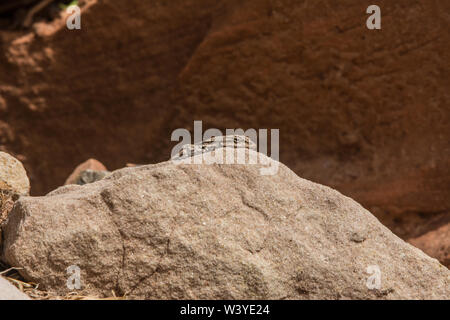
{"points": [[33, 291]]}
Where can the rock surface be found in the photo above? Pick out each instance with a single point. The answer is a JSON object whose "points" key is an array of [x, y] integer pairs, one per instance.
{"points": [[436, 243], [13, 182], [9, 292], [13, 177], [169, 231]]}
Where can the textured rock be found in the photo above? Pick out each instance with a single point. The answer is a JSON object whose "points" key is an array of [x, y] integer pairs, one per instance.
{"points": [[90, 171], [9, 292], [436, 243], [13, 177], [169, 231], [13, 182]]}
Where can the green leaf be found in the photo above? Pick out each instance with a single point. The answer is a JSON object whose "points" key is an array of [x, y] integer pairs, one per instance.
{"points": [[65, 6]]}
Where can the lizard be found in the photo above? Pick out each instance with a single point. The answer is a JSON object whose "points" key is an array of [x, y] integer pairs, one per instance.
{"points": [[209, 145]]}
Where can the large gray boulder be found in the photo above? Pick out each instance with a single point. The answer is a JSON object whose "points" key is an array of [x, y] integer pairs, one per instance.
{"points": [[9, 292], [183, 231]]}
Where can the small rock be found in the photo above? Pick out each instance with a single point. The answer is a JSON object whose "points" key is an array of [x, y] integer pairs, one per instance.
{"points": [[13, 182], [90, 171], [13, 177], [90, 176], [9, 292], [436, 243]]}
